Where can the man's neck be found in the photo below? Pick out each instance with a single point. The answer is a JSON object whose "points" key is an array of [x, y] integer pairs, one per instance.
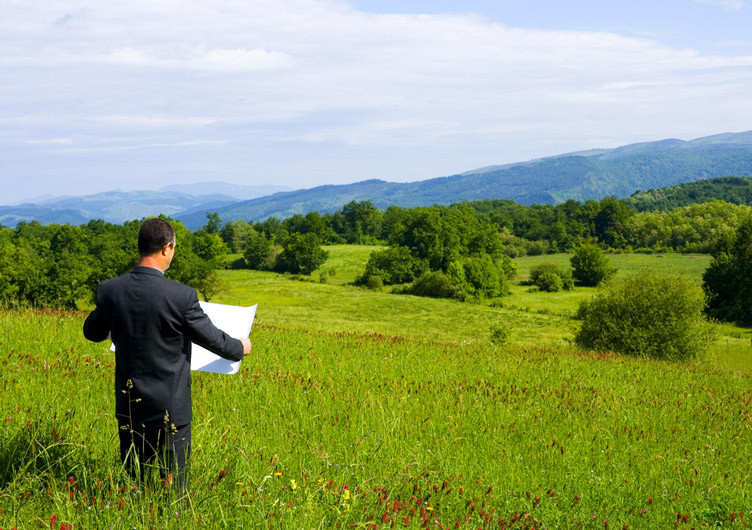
{"points": [[151, 262]]}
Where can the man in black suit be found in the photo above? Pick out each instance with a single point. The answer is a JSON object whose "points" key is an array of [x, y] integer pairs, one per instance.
{"points": [[152, 322]]}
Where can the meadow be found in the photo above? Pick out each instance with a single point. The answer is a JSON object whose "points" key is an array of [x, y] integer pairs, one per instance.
{"points": [[365, 409]]}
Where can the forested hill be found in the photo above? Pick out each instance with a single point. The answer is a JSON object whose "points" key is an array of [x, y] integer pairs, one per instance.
{"points": [[734, 190], [580, 176]]}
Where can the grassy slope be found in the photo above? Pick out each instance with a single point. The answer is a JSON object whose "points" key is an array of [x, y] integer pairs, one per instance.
{"points": [[454, 429]]}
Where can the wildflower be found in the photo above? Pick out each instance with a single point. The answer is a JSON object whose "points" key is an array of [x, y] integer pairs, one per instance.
{"points": [[293, 484], [53, 521]]}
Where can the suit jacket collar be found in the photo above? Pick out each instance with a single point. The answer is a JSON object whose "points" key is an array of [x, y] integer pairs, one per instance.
{"points": [[140, 269]]}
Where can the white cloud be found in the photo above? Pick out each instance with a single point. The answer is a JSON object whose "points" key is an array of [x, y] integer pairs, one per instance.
{"points": [[215, 60], [727, 4], [246, 74]]}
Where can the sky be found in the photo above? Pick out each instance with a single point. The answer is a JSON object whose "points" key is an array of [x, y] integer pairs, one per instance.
{"points": [[97, 96]]}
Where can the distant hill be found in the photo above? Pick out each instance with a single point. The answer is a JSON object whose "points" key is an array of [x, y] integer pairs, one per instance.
{"points": [[119, 206], [112, 206], [734, 190], [236, 191], [581, 175]]}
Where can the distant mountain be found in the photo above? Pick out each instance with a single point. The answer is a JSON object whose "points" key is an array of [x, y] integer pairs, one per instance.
{"points": [[236, 191], [120, 206], [112, 206], [581, 175], [734, 190]]}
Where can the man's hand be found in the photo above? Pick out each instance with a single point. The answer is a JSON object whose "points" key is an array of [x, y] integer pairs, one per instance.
{"points": [[246, 345]]}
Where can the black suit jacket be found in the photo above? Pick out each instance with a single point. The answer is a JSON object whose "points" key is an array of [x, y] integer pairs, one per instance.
{"points": [[152, 321]]}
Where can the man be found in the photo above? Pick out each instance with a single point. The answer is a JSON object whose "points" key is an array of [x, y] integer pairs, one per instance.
{"points": [[152, 322]]}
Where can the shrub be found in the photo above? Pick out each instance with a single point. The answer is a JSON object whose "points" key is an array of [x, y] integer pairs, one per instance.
{"points": [[590, 265], [551, 277], [479, 277], [500, 333], [301, 254], [394, 265], [257, 251], [728, 279], [647, 314], [434, 284], [550, 282], [374, 282]]}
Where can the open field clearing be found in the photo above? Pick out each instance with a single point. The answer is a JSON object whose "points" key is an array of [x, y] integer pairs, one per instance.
{"points": [[372, 410]]}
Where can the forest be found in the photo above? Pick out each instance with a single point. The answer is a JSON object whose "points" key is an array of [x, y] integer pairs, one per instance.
{"points": [[462, 251]]}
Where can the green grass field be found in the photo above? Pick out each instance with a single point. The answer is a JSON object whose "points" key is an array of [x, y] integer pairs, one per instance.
{"points": [[364, 409]]}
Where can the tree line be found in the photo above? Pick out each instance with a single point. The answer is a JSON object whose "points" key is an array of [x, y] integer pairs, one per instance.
{"points": [[61, 265], [461, 251]]}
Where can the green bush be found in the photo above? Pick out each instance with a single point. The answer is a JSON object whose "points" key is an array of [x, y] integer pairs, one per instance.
{"points": [[374, 282], [590, 266], [394, 265], [258, 249], [551, 277], [500, 333], [648, 314], [550, 282], [301, 254], [479, 277], [728, 279], [434, 284]]}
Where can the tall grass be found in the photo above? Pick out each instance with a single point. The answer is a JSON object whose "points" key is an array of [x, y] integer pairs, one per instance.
{"points": [[372, 410]]}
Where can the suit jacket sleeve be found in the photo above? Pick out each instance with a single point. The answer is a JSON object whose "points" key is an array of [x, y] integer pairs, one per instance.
{"points": [[201, 331], [97, 324]]}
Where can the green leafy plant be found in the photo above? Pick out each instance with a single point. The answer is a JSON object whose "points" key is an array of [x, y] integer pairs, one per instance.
{"points": [[649, 314]]}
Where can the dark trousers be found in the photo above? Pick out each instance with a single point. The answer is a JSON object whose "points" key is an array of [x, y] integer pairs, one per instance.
{"points": [[144, 447]]}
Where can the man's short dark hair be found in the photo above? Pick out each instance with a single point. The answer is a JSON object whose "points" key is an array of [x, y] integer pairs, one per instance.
{"points": [[154, 234]]}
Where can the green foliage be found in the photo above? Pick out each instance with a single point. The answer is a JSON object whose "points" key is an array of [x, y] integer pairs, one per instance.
{"points": [[236, 235], [301, 254], [609, 222], [551, 277], [728, 279], [734, 190], [434, 284], [647, 314], [395, 265], [374, 282], [550, 282], [500, 333], [344, 385], [258, 252], [480, 277], [693, 228], [590, 265]]}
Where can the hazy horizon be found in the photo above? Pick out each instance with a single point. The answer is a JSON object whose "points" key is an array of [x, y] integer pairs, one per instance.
{"points": [[311, 92]]}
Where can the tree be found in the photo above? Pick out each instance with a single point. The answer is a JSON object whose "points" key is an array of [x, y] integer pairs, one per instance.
{"points": [[590, 265], [213, 223], [728, 279], [301, 253], [647, 314], [258, 251], [550, 277], [610, 221], [394, 265]]}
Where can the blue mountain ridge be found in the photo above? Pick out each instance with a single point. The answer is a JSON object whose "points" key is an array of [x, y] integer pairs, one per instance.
{"points": [[580, 175]]}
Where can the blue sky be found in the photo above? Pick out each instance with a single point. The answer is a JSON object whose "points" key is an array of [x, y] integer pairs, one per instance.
{"points": [[97, 96]]}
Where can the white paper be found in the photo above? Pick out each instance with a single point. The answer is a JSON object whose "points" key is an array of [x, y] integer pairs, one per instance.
{"points": [[234, 320]]}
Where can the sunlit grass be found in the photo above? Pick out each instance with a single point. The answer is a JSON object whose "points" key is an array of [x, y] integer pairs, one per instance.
{"points": [[373, 409]]}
